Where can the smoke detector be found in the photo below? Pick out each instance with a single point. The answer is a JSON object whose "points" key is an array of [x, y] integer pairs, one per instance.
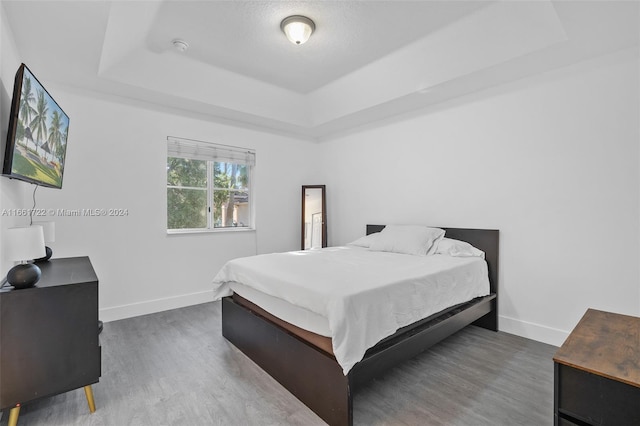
{"points": [[180, 45]]}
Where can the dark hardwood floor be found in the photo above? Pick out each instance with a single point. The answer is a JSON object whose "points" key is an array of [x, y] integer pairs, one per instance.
{"points": [[175, 368]]}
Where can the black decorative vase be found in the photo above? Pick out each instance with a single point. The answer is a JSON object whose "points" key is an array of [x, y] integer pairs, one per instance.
{"points": [[46, 257], [24, 275]]}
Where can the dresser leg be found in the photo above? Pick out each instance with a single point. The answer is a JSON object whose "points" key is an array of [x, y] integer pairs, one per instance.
{"points": [[89, 393], [13, 415]]}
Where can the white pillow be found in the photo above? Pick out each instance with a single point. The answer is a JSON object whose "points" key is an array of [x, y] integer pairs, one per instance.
{"points": [[365, 241], [407, 239], [458, 248]]}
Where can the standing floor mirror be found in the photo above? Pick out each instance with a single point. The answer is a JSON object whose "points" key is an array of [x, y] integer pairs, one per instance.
{"points": [[314, 217]]}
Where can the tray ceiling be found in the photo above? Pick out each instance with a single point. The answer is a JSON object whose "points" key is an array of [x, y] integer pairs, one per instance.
{"points": [[367, 60]]}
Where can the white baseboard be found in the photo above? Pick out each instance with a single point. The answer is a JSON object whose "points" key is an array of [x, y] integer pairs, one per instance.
{"points": [[152, 306], [529, 330], [541, 333]]}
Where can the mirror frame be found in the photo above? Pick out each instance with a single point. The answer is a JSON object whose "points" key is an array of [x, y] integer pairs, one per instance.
{"points": [[324, 214]]}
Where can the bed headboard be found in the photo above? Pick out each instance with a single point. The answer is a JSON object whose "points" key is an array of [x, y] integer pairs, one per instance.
{"points": [[486, 240]]}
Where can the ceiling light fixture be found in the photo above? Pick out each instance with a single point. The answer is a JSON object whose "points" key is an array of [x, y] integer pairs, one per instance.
{"points": [[180, 45], [297, 28]]}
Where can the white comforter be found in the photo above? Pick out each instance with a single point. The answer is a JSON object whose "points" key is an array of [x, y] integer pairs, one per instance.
{"points": [[365, 295]]}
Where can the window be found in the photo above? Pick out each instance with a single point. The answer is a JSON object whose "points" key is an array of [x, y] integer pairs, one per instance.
{"points": [[208, 186]]}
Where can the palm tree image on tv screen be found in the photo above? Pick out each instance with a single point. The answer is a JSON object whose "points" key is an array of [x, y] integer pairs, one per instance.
{"points": [[41, 134]]}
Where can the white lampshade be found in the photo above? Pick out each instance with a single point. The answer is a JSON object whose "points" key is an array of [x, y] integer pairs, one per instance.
{"points": [[297, 28], [25, 243], [49, 229]]}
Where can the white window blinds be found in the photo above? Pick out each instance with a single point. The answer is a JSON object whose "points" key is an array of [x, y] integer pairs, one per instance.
{"points": [[198, 150]]}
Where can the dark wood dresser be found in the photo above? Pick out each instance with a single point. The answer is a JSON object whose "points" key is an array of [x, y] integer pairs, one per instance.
{"points": [[49, 335], [597, 372]]}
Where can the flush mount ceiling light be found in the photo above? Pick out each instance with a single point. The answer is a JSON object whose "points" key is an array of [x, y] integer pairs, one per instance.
{"points": [[297, 28], [180, 45]]}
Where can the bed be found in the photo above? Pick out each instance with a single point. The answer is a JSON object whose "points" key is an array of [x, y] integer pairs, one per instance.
{"points": [[303, 363]]}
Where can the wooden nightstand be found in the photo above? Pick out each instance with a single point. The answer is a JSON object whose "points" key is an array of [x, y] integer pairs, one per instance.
{"points": [[597, 372], [49, 335]]}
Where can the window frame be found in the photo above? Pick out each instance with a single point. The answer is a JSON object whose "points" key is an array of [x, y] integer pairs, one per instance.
{"points": [[228, 153]]}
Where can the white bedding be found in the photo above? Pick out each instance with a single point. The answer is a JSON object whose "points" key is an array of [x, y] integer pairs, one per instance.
{"points": [[284, 310], [364, 295]]}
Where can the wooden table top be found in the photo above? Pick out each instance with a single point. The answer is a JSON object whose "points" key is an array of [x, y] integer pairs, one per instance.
{"points": [[605, 344]]}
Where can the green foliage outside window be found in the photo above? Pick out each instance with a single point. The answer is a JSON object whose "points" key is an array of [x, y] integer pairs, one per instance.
{"points": [[226, 178], [187, 191]]}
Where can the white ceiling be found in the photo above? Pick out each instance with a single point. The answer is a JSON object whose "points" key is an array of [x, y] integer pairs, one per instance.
{"points": [[367, 60]]}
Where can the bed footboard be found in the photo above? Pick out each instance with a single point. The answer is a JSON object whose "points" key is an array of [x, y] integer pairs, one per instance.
{"points": [[315, 377], [405, 345], [310, 374]]}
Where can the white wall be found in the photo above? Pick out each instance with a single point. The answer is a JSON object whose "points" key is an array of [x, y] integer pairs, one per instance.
{"points": [[13, 194], [552, 162], [116, 159]]}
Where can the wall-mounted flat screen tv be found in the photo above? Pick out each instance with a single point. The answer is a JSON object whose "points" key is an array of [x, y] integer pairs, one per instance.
{"points": [[37, 134]]}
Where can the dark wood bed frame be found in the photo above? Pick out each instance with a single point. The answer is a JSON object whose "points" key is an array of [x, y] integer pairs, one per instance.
{"points": [[315, 377]]}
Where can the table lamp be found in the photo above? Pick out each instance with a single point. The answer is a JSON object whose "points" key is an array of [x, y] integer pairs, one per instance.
{"points": [[22, 245], [49, 229]]}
